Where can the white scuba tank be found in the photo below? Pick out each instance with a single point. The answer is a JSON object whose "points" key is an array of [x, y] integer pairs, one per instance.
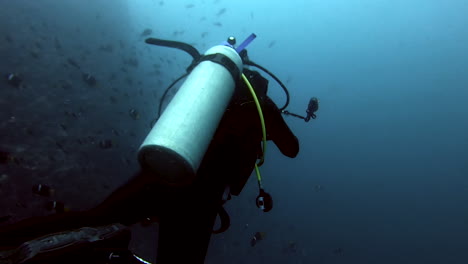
{"points": [[176, 145]]}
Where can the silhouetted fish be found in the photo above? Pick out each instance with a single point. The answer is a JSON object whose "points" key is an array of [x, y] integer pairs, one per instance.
{"points": [[257, 237], [146, 32], [221, 11], [73, 63], [271, 44]]}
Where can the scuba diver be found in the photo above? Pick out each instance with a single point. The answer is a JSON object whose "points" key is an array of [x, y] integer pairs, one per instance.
{"points": [[202, 149]]}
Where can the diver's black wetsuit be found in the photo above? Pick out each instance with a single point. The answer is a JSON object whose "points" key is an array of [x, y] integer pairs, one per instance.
{"points": [[186, 215]]}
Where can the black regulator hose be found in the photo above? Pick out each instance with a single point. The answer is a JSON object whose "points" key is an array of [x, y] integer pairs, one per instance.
{"points": [[251, 63], [167, 90]]}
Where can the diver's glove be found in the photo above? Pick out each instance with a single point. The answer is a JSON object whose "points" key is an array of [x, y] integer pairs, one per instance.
{"points": [[264, 201]]}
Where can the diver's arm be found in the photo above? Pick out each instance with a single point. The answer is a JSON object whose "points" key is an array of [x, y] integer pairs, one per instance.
{"points": [[278, 130], [127, 205]]}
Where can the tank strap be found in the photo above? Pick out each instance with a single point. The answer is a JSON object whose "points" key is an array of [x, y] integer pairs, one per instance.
{"points": [[222, 60]]}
